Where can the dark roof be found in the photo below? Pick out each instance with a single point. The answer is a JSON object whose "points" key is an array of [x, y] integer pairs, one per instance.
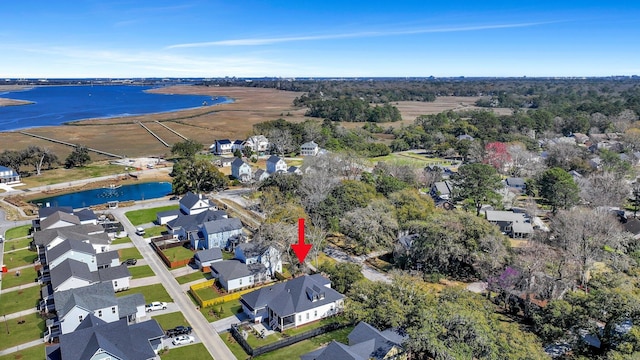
{"points": [[273, 159], [237, 162], [70, 268], [230, 269], [333, 351], [223, 141], [292, 169], [218, 226], [128, 305], [209, 254], [173, 212], [94, 233], [190, 199], [515, 182], [46, 211], [364, 333], [116, 338], [193, 222], [238, 142], [257, 268], [252, 249], [93, 297], [85, 214], [69, 245], [59, 216], [293, 296], [113, 273], [106, 258]]}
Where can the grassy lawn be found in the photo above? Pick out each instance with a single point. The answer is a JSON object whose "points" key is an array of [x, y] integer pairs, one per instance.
{"points": [[17, 244], [154, 231], [198, 275], [17, 232], [27, 276], [17, 258], [233, 345], [123, 240], [15, 301], [171, 320], [34, 352], [322, 258], [129, 253], [207, 293], [189, 352], [228, 255], [31, 329], [178, 253], [155, 292], [144, 216], [228, 309], [142, 271], [62, 175], [294, 351]]}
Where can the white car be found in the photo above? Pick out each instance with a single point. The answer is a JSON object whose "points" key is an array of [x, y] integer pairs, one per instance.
{"points": [[140, 231], [156, 305], [183, 339]]}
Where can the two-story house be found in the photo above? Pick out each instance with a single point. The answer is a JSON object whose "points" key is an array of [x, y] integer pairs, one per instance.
{"points": [[8, 175], [220, 147], [309, 149], [515, 225], [276, 164], [217, 233], [259, 144], [269, 256], [240, 170]]}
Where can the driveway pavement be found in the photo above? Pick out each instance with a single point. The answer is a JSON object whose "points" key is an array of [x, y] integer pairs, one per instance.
{"points": [[223, 325]]}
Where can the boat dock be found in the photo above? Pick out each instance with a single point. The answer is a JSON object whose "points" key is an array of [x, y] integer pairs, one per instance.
{"points": [[70, 144]]}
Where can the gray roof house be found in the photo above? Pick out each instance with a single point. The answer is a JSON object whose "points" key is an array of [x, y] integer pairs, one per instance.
{"points": [[516, 183], [293, 303], [71, 274], [217, 233], [515, 225], [71, 249], [192, 204], [8, 175], [442, 190], [252, 253], [240, 170], [207, 257], [96, 339], [59, 219], [365, 343], [276, 164], [182, 225], [232, 274]]}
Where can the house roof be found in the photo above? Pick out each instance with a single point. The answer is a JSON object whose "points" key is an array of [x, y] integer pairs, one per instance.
{"points": [[230, 269], [293, 169], [71, 268], [93, 297], [128, 305], [85, 214], [443, 187], [193, 222], [273, 159], [223, 141], [189, 200], [106, 258], [46, 211], [113, 273], [94, 233], [238, 162], [373, 343], [59, 216], [515, 182], [258, 174], [174, 212], [117, 339], [69, 245], [310, 144], [292, 296], [252, 249], [207, 255], [333, 351], [222, 225], [519, 222]]}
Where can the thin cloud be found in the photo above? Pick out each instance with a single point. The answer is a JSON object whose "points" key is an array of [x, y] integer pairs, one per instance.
{"points": [[269, 41]]}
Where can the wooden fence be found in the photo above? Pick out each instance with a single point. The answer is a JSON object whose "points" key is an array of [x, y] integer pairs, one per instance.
{"points": [[170, 264], [219, 300]]}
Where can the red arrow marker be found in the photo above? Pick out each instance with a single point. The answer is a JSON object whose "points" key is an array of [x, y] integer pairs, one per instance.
{"points": [[301, 249]]}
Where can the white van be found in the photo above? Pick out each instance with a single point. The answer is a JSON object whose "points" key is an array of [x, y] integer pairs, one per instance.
{"points": [[140, 231]]}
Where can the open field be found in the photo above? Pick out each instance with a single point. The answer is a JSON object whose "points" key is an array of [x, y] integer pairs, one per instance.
{"points": [[124, 136]]}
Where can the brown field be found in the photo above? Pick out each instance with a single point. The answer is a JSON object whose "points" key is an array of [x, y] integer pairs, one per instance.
{"points": [[124, 136]]}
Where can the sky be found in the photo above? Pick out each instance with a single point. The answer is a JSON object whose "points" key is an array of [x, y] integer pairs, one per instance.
{"points": [[348, 38]]}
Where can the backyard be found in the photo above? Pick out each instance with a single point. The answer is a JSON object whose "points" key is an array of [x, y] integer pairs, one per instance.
{"points": [[197, 275], [144, 216], [177, 253], [155, 292]]}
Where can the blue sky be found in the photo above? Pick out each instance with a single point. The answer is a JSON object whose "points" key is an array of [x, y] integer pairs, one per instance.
{"points": [[199, 38]]}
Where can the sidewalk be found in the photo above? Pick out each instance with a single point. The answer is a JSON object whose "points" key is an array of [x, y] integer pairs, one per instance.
{"points": [[17, 348], [21, 314], [19, 287]]}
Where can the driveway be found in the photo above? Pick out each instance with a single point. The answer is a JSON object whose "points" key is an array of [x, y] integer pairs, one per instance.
{"points": [[223, 325]]}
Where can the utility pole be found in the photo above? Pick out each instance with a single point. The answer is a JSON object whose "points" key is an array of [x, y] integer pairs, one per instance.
{"points": [[6, 323]]}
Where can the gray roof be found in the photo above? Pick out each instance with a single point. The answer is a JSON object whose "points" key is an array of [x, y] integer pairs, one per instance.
{"points": [[69, 245], [114, 273], [237, 162], [252, 249], [230, 269], [85, 214], [190, 199], [71, 268], [257, 269], [59, 216], [128, 305], [93, 297], [209, 254], [273, 159], [224, 141], [443, 187], [376, 344], [117, 339], [222, 225], [46, 211], [333, 351], [193, 222], [293, 169], [105, 258], [515, 182], [173, 212], [292, 296], [94, 233]]}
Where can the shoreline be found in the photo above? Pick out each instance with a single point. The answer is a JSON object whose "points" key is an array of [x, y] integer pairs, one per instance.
{"points": [[14, 102]]}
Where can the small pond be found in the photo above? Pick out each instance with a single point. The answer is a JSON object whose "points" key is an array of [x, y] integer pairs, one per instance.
{"points": [[142, 191]]}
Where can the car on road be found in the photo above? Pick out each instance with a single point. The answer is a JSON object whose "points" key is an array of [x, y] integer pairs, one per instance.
{"points": [[156, 305], [1, 238], [140, 231], [179, 330], [130, 262], [183, 339], [174, 197]]}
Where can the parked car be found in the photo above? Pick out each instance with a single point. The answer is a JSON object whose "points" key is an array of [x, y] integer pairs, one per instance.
{"points": [[1, 238], [179, 330], [174, 197], [156, 305], [183, 339], [140, 231], [130, 262]]}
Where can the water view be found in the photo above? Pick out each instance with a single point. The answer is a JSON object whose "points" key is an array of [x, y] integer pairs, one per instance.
{"points": [[55, 105], [143, 191]]}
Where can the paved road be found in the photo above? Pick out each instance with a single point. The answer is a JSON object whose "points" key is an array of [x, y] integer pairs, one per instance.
{"points": [[202, 328]]}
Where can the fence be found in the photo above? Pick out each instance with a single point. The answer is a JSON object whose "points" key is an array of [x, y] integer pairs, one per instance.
{"points": [[170, 264], [284, 342], [219, 300]]}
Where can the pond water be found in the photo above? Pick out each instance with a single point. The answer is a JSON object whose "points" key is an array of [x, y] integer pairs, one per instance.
{"points": [[142, 191]]}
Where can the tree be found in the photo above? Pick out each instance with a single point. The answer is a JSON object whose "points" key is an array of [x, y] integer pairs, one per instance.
{"points": [[477, 183], [281, 140], [78, 157], [12, 159], [604, 189], [558, 189], [38, 156], [370, 228], [197, 176], [186, 149], [496, 155], [342, 275], [410, 205]]}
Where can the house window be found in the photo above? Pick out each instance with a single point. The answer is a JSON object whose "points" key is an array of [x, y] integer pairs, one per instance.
{"points": [[307, 316], [80, 318], [99, 313], [240, 281], [113, 310], [299, 318], [315, 313], [115, 283]]}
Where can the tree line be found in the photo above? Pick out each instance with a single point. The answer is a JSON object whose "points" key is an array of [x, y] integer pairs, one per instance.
{"points": [[42, 157]]}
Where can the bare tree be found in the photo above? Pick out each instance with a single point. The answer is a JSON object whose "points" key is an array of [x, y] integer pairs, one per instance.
{"points": [[622, 121], [604, 189], [312, 130], [281, 140], [316, 234], [525, 162], [318, 180], [563, 155]]}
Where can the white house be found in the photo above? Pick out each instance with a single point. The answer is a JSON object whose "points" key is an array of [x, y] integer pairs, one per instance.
{"points": [[220, 147], [72, 274], [258, 144], [241, 170], [217, 233], [192, 204], [232, 274], [293, 303], [309, 149], [8, 175], [91, 234], [71, 249], [269, 256], [237, 145], [260, 175], [276, 164], [59, 219]]}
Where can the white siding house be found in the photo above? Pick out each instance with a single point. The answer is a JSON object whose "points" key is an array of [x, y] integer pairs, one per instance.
{"points": [[8, 175], [258, 143], [241, 170], [309, 149]]}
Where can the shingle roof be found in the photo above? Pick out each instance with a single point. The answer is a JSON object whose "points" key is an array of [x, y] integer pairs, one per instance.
{"points": [[71, 268], [273, 159], [209, 254], [237, 162], [75, 232], [106, 258], [218, 226], [59, 216], [114, 273], [128, 305], [230, 269], [252, 249], [46, 211], [173, 212], [515, 181], [291, 297], [333, 351], [190, 199], [93, 297], [224, 141], [69, 245], [85, 214], [192, 222]]}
